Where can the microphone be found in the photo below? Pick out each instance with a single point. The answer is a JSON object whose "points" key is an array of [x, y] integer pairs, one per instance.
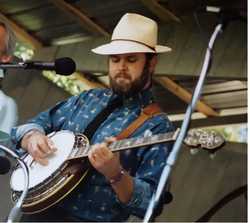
{"points": [[64, 66], [4, 165]]}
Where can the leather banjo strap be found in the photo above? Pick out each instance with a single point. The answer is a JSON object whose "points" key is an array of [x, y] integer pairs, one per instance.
{"points": [[147, 113]]}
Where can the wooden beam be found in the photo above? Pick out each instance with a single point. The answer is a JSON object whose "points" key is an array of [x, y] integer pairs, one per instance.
{"points": [[160, 11], [225, 86], [218, 120], [21, 34], [184, 95], [84, 19]]}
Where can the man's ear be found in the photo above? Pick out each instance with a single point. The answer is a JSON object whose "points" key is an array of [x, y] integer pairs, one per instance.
{"points": [[152, 63], [5, 58]]}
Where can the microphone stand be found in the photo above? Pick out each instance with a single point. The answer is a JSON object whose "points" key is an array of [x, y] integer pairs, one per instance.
{"points": [[17, 208], [13, 65], [177, 145]]}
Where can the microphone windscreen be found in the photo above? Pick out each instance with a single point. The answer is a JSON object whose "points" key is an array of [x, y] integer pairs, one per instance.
{"points": [[65, 66], [4, 165]]}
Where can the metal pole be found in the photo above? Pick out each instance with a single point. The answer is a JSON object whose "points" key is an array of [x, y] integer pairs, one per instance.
{"points": [[17, 208], [177, 145]]}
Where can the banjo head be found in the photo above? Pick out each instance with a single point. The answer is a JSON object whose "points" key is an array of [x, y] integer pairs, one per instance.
{"points": [[64, 142]]}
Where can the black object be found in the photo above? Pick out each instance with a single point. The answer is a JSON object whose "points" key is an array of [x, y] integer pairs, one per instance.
{"points": [[95, 123], [64, 66], [4, 165]]}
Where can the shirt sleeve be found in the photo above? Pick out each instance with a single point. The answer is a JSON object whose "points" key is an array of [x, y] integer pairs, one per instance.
{"points": [[45, 122], [9, 115], [152, 162]]}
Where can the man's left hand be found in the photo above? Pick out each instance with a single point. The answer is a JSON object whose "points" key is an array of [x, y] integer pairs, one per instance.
{"points": [[105, 161]]}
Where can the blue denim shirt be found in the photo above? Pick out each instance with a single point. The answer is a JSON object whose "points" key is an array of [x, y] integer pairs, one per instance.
{"points": [[95, 200]]}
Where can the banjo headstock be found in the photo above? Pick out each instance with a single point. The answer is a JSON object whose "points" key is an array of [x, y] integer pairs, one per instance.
{"points": [[205, 138]]}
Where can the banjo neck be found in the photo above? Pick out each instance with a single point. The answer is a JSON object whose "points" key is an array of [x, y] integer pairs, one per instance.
{"points": [[132, 143]]}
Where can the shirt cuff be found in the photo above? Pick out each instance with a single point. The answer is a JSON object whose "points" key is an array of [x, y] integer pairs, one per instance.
{"points": [[23, 129], [140, 196], [17, 134]]}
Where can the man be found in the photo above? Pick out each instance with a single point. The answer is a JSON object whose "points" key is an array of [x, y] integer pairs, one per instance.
{"points": [[8, 108], [119, 184]]}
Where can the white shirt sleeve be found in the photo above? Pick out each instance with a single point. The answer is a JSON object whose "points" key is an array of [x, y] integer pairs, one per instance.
{"points": [[8, 113]]}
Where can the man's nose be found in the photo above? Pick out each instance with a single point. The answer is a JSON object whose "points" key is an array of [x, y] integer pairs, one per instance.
{"points": [[122, 65]]}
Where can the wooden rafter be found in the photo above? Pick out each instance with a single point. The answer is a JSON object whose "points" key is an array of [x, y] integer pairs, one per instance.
{"points": [[160, 11], [184, 95], [22, 34], [84, 19]]}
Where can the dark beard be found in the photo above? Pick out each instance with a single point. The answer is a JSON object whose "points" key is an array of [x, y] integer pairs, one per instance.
{"points": [[135, 87]]}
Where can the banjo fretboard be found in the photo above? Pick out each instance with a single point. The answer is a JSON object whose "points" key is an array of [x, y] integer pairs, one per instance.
{"points": [[132, 143]]}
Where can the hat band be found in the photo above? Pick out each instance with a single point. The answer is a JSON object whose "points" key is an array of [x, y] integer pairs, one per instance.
{"points": [[150, 47]]}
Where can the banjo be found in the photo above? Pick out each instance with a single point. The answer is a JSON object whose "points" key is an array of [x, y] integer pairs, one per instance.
{"points": [[67, 167]]}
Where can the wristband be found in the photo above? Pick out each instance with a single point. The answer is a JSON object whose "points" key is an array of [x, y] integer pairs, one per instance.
{"points": [[117, 177]]}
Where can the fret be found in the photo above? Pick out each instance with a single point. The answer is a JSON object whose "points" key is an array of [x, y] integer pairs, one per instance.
{"points": [[127, 142], [139, 141], [114, 145], [118, 145], [153, 138], [162, 136], [133, 140]]}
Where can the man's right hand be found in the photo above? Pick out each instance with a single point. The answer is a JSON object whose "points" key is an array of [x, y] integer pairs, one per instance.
{"points": [[38, 145]]}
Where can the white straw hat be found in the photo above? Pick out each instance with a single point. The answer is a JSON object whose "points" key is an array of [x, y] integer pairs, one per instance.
{"points": [[134, 33]]}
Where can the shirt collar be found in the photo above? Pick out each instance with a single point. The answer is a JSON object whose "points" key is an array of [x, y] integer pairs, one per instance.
{"points": [[143, 99]]}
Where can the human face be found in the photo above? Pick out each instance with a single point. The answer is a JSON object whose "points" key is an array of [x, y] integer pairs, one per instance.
{"points": [[128, 73]]}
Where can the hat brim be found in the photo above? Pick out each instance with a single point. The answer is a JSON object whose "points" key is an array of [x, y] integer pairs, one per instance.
{"points": [[123, 46]]}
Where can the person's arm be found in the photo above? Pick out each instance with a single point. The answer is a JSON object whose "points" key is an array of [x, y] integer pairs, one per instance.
{"points": [[45, 122], [31, 137], [38, 145], [133, 192], [123, 185], [146, 179], [108, 163]]}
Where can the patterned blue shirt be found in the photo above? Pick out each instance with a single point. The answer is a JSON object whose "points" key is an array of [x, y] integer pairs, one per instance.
{"points": [[95, 200]]}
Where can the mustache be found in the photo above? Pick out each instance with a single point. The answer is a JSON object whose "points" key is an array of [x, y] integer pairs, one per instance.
{"points": [[123, 75]]}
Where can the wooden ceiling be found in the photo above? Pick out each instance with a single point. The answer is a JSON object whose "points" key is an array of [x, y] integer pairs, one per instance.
{"points": [[59, 22], [49, 22]]}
